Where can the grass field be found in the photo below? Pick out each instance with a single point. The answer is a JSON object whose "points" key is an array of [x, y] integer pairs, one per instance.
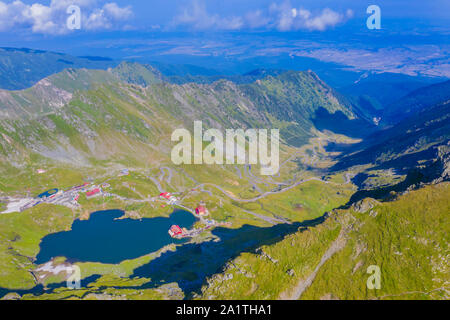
{"points": [[407, 238]]}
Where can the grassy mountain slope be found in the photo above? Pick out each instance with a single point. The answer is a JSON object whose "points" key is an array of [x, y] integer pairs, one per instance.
{"points": [[296, 97], [52, 93], [407, 238], [88, 124], [82, 115]]}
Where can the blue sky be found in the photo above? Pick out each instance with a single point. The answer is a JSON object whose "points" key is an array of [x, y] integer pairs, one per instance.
{"points": [[38, 17], [414, 38], [161, 12]]}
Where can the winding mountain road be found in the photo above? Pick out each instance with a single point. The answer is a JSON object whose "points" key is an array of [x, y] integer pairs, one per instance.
{"points": [[265, 194]]}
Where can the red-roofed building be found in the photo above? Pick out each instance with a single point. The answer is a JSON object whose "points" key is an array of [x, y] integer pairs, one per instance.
{"points": [[93, 193], [175, 231], [201, 211], [168, 196], [165, 195]]}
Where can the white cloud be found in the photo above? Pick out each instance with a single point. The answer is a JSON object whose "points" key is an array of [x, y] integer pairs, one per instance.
{"points": [[256, 19], [198, 18], [282, 17], [327, 18], [51, 19], [288, 18], [107, 16]]}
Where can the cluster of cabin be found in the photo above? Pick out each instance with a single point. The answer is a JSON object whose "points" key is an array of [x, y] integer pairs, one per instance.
{"points": [[177, 232], [93, 193], [169, 197], [201, 211]]}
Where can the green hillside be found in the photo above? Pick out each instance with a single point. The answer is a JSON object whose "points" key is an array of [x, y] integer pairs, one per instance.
{"points": [[57, 90], [84, 112], [311, 231], [407, 238]]}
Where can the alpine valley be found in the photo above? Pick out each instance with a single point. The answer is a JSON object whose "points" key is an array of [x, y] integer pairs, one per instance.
{"points": [[87, 183]]}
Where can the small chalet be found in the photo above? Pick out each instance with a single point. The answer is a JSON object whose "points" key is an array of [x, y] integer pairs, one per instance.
{"points": [[201, 211], [165, 195], [93, 193], [175, 231]]}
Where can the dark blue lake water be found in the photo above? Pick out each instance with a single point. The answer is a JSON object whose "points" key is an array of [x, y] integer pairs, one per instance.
{"points": [[104, 239], [107, 240]]}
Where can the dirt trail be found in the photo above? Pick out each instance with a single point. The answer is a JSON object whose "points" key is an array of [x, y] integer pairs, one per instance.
{"points": [[270, 220], [304, 284], [156, 182]]}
